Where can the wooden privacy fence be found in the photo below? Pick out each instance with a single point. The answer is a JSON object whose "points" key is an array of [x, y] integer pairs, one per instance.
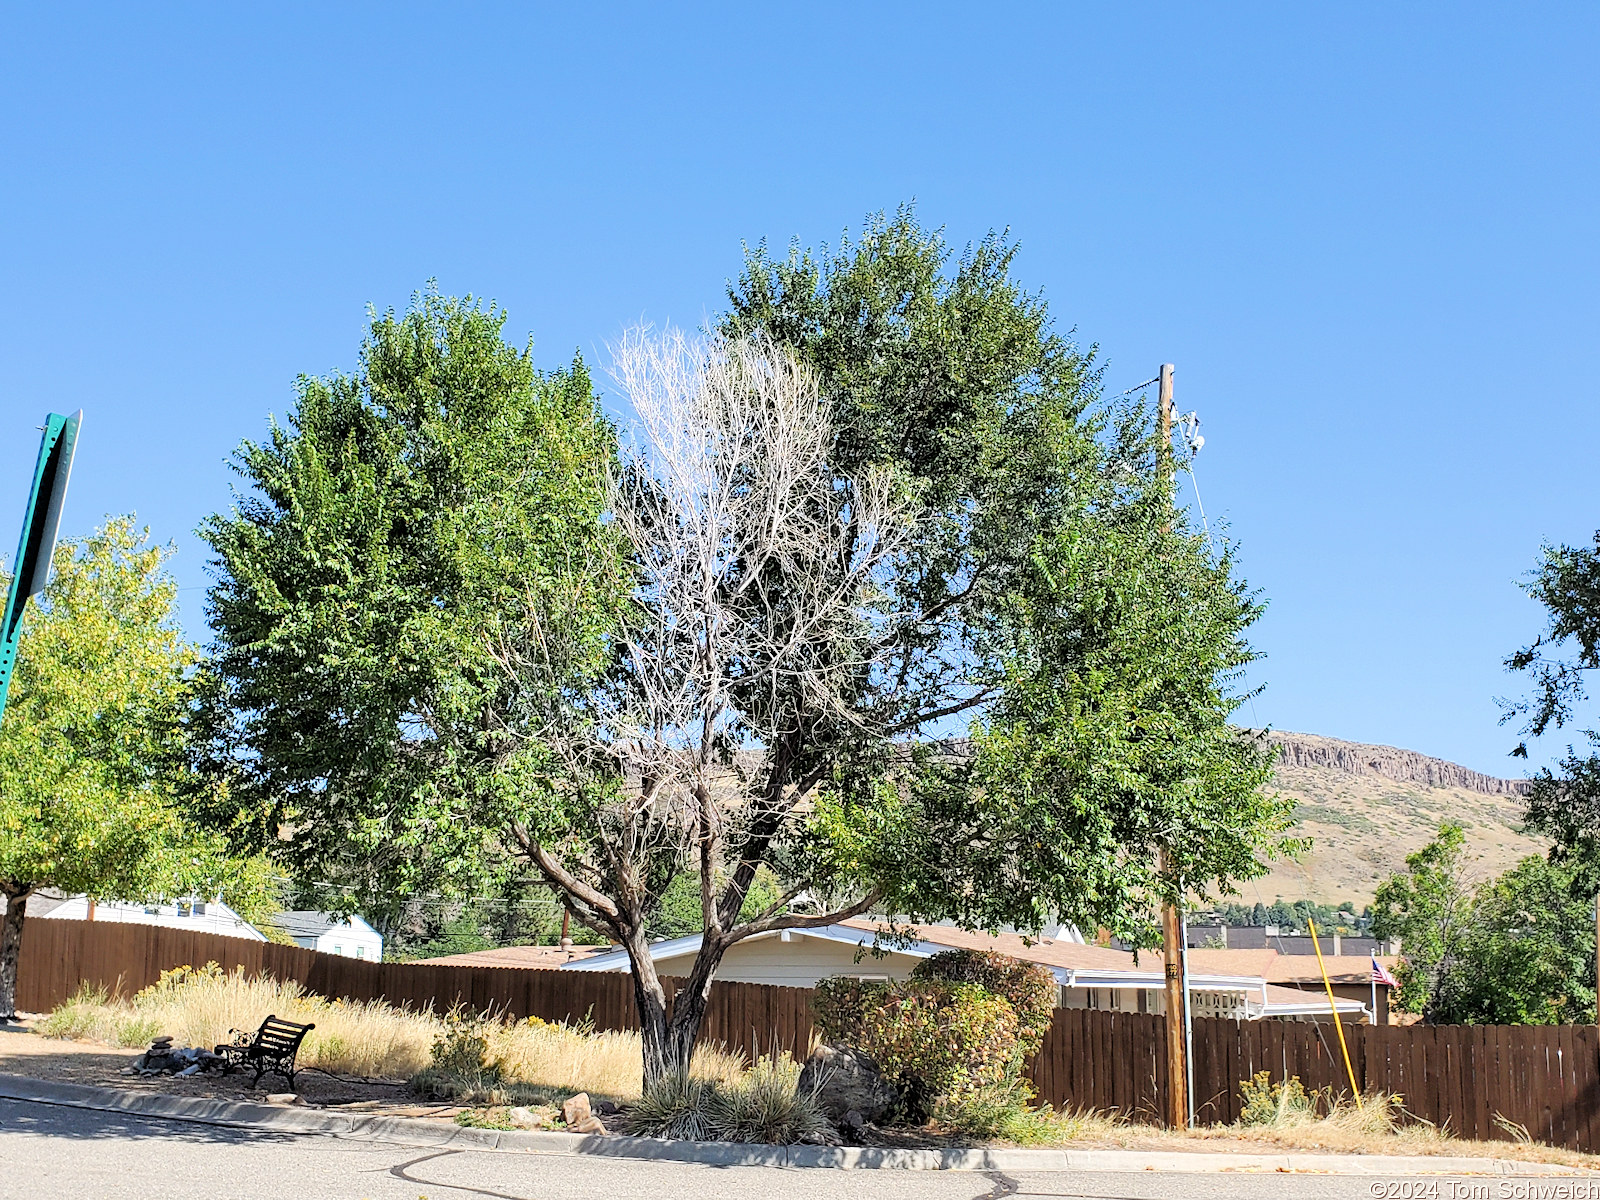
{"points": [[58, 957], [1467, 1079], [1479, 1081]]}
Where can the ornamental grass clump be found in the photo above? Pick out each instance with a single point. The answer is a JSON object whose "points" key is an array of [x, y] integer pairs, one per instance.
{"points": [[480, 1059], [764, 1104]]}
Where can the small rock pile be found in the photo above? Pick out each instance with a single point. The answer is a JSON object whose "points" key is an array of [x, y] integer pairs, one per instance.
{"points": [[162, 1059]]}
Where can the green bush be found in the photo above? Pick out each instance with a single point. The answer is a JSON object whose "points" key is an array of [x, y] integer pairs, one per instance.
{"points": [[1030, 989], [935, 1038], [1004, 1111]]}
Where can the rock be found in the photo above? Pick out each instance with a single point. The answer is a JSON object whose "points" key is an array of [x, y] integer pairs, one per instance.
{"points": [[284, 1098], [575, 1110], [845, 1081], [129, 1070], [524, 1117], [607, 1109], [1403, 766], [822, 1137], [589, 1124]]}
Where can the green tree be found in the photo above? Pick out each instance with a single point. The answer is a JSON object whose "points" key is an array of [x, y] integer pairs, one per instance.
{"points": [[92, 767], [1053, 602], [410, 529], [1564, 803], [1428, 906], [887, 508], [1528, 954]]}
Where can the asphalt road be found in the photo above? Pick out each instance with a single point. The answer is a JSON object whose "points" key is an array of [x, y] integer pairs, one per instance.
{"points": [[49, 1152]]}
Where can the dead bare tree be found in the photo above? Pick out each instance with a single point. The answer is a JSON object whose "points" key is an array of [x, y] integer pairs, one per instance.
{"points": [[754, 620]]}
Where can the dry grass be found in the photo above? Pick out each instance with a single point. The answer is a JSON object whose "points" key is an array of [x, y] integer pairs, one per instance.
{"points": [[373, 1039], [199, 1006], [496, 1062]]}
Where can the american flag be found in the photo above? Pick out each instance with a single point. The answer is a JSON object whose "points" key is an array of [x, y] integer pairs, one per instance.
{"points": [[1382, 974]]}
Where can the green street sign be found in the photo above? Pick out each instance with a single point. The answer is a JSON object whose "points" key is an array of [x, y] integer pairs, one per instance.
{"points": [[30, 570]]}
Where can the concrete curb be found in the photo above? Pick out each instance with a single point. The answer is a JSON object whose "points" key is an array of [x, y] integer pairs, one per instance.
{"points": [[416, 1131]]}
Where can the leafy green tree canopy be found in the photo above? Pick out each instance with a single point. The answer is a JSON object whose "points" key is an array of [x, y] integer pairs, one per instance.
{"points": [[1564, 804], [408, 529], [1428, 907], [887, 603], [1513, 950], [1053, 602], [92, 748]]}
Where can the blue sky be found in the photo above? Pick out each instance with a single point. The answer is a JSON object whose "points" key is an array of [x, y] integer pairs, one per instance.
{"points": [[1366, 235]]}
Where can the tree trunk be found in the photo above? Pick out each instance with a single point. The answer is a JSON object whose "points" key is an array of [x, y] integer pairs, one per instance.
{"points": [[689, 1005], [11, 945], [650, 1000], [669, 1040]]}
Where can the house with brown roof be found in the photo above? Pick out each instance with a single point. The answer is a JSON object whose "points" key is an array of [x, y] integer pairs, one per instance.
{"points": [[1089, 976]]}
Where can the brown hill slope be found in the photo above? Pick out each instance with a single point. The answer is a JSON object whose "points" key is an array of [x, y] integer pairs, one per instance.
{"points": [[1366, 807]]}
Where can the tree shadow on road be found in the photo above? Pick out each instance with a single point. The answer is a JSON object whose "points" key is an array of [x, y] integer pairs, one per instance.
{"points": [[84, 1124]]}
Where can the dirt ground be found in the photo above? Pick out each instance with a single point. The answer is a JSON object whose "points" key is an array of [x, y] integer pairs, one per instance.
{"points": [[23, 1052]]}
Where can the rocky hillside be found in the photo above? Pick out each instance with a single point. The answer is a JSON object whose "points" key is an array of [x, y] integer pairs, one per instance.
{"points": [[1366, 807]]}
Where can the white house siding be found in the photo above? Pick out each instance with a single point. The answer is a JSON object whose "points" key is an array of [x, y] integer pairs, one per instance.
{"points": [[197, 916], [799, 962], [352, 943]]}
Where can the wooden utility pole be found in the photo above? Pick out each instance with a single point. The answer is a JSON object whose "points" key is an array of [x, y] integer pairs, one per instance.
{"points": [[1171, 930]]}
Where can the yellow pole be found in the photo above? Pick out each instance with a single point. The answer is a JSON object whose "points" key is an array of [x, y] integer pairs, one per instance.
{"points": [[1337, 1024]]}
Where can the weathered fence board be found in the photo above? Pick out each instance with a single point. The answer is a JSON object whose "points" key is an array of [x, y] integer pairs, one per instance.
{"points": [[1472, 1080], [58, 957]]}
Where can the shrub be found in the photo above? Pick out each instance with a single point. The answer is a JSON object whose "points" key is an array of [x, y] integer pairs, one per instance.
{"points": [[934, 1037], [679, 1106], [1269, 1103], [763, 1105], [1030, 989]]}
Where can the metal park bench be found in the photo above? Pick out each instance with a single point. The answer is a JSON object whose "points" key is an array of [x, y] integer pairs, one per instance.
{"points": [[272, 1048]]}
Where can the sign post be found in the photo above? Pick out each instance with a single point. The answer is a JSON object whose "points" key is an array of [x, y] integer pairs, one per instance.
{"points": [[30, 570]]}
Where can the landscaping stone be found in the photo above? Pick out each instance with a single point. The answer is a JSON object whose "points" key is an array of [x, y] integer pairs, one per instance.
{"points": [[579, 1116], [575, 1109], [847, 1083]]}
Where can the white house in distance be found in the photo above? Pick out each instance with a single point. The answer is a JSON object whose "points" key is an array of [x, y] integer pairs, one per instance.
{"points": [[195, 915], [1089, 976], [352, 937]]}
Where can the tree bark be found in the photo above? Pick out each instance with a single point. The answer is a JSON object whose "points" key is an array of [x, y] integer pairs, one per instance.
{"points": [[689, 1005], [650, 999], [16, 895]]}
